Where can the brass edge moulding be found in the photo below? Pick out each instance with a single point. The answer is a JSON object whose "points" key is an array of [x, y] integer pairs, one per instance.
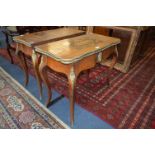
{"points": [[22, 42], [69, 61], [46, 41]]}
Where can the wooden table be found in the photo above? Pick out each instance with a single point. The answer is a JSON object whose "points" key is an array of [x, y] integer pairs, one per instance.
{"points": [[26, 43], [74, 55]]}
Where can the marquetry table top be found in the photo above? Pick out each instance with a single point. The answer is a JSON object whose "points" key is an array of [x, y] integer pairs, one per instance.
{"points": [[74, 49], [41, 37]]}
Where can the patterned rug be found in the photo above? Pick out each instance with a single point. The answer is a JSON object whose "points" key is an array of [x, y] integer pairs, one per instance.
{"points": [[20, 110], [128, 103]]}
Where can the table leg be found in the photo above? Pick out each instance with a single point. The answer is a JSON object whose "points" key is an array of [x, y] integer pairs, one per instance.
{"points": [[44, 77], [113, 62], [8, 46], [35, 61], [9, 53], [72, 82], [23, 63]]}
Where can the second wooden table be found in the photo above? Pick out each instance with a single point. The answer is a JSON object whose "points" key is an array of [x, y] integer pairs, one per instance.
{"points": [[26, 43]]}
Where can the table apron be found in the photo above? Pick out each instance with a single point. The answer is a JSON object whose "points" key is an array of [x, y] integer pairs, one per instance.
{"points": [[25, 49], [79, 66]]}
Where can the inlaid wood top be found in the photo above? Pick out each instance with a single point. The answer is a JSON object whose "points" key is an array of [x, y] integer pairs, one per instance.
{"points": [[74, 49], [41, 37]]}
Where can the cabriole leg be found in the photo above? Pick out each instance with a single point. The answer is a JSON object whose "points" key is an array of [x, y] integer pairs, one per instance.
{"points": [[44, 77], [35, 61], [72, 82], [24, 66]]}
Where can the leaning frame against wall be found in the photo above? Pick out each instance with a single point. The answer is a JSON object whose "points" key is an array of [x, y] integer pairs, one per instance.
{"points": [[135, 34]]}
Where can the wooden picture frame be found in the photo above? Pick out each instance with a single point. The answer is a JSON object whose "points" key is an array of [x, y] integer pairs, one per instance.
{"points": [[135, 34]]}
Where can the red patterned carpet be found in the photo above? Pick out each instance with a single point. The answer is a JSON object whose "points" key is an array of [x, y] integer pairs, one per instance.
{"points": [[128, 103]]}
